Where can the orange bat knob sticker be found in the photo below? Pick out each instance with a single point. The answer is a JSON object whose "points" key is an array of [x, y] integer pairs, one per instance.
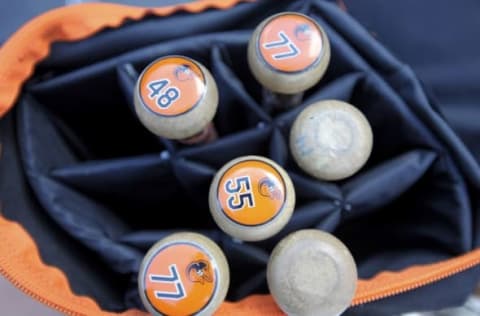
{"points": [[251, 198], [183, 274]]}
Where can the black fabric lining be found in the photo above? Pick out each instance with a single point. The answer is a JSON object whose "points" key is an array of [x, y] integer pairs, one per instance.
{"points": [[117, 189]]}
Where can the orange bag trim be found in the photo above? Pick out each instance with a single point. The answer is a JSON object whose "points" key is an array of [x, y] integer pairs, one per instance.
{"points": [[31, 43], [20, 260], [388, 283], [21, 264]]}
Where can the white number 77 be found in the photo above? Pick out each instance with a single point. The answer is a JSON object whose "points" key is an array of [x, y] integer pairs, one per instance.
{"points": [[174, 278], [284, 41]]}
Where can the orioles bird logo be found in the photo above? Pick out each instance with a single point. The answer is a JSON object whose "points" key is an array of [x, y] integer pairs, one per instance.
{"points": [[199, 271], [267, 188], [303, 32], [183, 73]]}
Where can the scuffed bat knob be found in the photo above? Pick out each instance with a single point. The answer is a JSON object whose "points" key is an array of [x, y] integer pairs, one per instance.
{"points": [[312, 273], [331, 140]]}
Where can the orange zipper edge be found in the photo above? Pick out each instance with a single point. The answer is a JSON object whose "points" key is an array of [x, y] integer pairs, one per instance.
{"points": [[422, 277], [361, 300], [22, 266], [31, 43]]}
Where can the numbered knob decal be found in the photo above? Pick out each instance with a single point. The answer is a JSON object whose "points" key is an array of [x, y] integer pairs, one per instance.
{"points": [[172, 85], [163, 93], [290, 43], [241, 195], [181, 278], [173, 279], [284, 41], [251, 193]]}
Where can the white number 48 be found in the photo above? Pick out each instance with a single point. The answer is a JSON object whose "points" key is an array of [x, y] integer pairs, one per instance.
{"points": [[164, 94]]}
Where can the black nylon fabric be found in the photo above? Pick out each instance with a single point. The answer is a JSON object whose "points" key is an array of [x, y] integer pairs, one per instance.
{"points": [[116, 189], [444, 55]]}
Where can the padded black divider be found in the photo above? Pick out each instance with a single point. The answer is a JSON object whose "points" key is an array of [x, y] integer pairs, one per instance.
{"points": [[117, 189]]}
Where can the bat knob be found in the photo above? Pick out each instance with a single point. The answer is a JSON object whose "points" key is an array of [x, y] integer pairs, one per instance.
{"points": [[288, 53], [183, 274], [176, 97], [331, 140], [312, 273], [251, 198]]}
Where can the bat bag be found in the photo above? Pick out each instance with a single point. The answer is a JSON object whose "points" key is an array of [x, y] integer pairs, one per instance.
{"points": [[86, 189]]}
